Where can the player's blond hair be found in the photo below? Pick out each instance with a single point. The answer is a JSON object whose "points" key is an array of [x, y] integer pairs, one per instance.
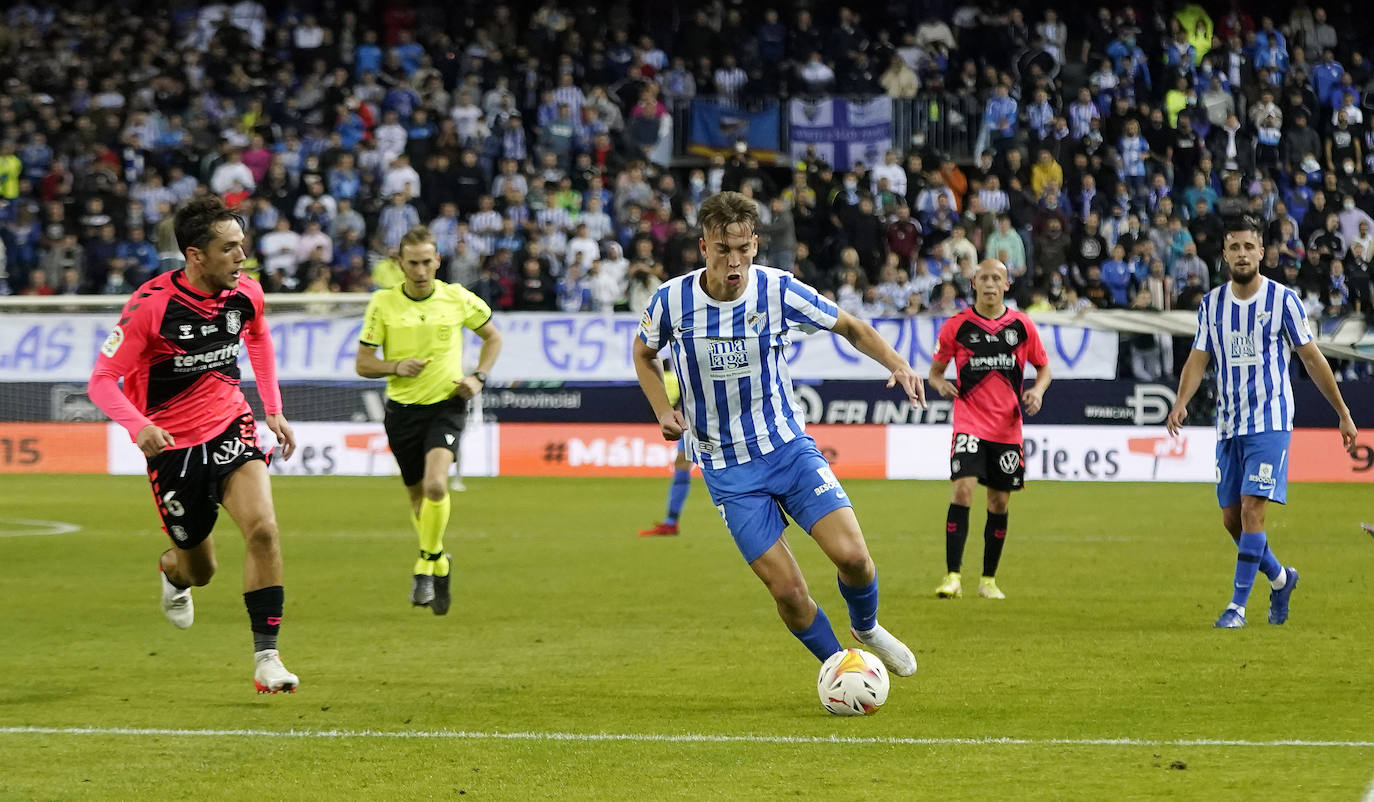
{"points": [[725, 209]]}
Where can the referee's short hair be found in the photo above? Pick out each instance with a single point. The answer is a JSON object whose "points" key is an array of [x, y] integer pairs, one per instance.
{"points": [[724, 209], [418, 235]]}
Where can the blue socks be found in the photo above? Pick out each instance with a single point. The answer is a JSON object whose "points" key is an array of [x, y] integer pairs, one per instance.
{"points": [[1252, 548], [677, 494], [1269, 564], [819, 638], [863, 604]]}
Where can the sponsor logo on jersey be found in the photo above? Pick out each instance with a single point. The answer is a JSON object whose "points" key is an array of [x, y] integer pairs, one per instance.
{"points": [[993, 362], [112, 342], [1009, 461], [209, 360], [729, 359], [1242, 346]]}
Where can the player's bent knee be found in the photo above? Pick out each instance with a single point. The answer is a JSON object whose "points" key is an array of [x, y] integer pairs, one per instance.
{"points": [[261, 536], [435, 489]]}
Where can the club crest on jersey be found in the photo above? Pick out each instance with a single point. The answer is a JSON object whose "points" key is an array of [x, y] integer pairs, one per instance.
{"points": [[755, 322], [1262, 317], [233, 321], [1010, 337]]}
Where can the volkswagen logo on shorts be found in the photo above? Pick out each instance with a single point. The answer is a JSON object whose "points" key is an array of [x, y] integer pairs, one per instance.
{"points": [[1009, 461]]}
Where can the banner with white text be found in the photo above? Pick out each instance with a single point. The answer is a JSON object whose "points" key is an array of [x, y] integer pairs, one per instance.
{"points": [[538, 347]]}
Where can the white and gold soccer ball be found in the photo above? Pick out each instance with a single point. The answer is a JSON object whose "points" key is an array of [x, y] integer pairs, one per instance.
{"points": [[852, 683]]}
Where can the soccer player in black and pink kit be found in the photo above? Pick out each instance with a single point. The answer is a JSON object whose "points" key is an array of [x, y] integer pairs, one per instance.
{"points": [[176, 347], [990, 346]]}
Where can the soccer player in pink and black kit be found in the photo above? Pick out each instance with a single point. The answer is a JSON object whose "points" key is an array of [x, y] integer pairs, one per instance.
{"points": [[176, 347], [990, 345]]}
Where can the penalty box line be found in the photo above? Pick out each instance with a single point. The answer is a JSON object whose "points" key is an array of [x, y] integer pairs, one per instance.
{"points": [[704, 738]]}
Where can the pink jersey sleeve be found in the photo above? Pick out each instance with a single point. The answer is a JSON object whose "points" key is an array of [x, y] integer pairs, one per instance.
{"points": [[258, 338], [944, 347], [1035, 350], [120, 356]]}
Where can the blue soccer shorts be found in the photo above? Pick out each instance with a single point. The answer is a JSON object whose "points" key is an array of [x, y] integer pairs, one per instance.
{"points": [[752, 497], [1253, 465]]}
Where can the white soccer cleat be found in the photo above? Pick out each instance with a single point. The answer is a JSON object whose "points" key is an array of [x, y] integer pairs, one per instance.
{"points": [[987, 588], [894, 654], [176, 604], [456, 484], [271, 676]]}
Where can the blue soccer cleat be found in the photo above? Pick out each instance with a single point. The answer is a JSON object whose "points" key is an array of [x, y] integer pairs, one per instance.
{"points": [[1231, 619], [1278, 599]]}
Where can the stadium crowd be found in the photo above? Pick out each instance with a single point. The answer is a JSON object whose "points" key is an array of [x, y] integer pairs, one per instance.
{"points": [[536, 142]]}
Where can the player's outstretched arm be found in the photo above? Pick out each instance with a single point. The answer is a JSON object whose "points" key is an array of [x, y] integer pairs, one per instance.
{"points": [[871, 344], [649, 371], [1187, 386], [1320, 371]]}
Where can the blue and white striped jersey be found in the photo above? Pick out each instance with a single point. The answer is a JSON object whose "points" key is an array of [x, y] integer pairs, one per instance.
{"points": [[1252, 341], [730, 360]]}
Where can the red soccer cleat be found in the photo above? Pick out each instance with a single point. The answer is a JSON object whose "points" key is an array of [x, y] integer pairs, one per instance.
{"points": [[659, 529]]}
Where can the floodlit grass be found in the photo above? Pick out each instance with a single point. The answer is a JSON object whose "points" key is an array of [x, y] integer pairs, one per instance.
{"points": [[565, 622]]}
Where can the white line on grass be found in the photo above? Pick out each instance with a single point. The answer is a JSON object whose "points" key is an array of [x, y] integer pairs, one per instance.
{"points": [[24, 527], [1369, 792], [660, 738]]}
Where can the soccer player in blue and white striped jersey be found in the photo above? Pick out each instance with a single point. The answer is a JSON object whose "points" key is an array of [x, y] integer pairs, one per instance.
{"points": [[727, 328], [1249, 325]]}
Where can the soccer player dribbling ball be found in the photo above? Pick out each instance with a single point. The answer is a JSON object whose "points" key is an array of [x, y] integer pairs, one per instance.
{"points": [[727, 327], [990, 346], [418, 326], [1250, 325], [176, 347]]}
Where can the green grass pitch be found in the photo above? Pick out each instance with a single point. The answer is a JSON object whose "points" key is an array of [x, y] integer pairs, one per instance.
{"points": [[565, 625]]}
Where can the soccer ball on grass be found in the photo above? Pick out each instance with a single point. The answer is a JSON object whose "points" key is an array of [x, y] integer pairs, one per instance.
{"points": [[852, 683]]}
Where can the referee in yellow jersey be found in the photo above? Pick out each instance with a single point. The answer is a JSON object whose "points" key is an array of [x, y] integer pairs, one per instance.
{"points": [[418, 325]]}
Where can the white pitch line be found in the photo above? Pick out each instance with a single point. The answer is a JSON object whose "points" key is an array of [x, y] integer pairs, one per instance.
{"points": [[35, 528], [1369, 792], [659, 738]]}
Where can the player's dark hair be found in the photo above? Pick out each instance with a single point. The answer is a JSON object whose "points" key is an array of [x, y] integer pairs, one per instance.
{"points": [[419, 235], [1244, 222], [724, 209], [195, 222]]}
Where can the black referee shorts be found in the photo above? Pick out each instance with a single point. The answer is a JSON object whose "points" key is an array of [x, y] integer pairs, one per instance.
{"points": [[412, 430]]}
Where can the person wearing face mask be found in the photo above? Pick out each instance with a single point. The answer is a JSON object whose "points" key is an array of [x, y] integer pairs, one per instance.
{"points": [[1352, 219]]}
